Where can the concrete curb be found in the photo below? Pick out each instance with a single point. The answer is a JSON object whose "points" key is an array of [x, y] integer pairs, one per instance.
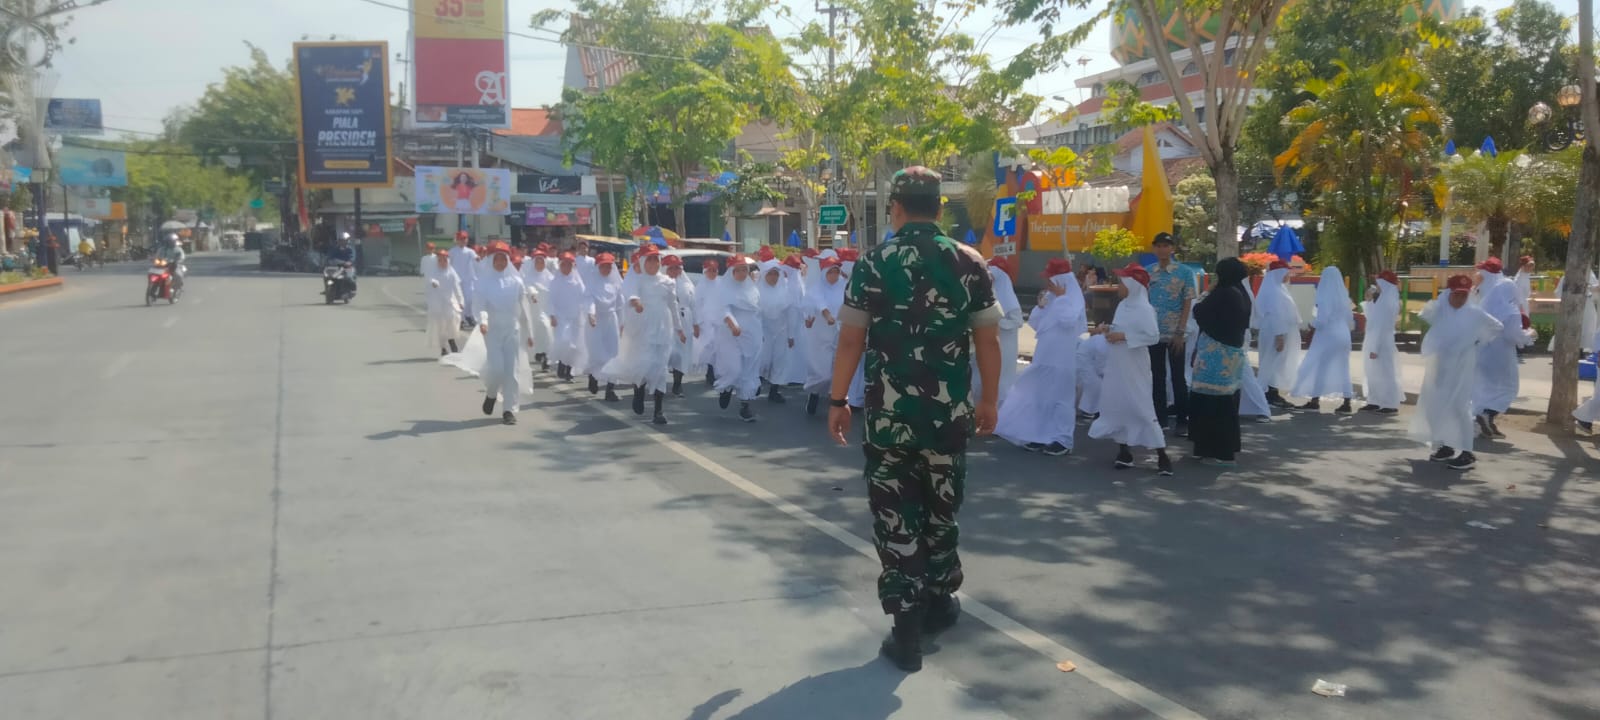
{"points": [[17, 290]]}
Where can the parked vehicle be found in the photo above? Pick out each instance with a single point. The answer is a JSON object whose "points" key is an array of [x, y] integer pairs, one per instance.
{"points": [[338, 283], [158, 283], [694, 260]]}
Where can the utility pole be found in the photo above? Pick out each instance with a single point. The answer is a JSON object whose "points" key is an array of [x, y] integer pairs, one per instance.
{"points": [[834, 168]]}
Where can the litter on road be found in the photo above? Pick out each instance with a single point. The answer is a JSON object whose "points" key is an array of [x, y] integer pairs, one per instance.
{"points": [[1328, 689]]}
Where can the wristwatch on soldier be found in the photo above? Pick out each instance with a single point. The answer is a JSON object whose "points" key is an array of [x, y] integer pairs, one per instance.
{"points": [[838, 402]]}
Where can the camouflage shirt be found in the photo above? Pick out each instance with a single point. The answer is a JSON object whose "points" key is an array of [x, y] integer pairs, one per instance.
{"points": [[919, 298]]}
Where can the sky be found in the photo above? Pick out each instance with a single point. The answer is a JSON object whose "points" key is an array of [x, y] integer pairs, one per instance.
{"points": [[143, 58]]}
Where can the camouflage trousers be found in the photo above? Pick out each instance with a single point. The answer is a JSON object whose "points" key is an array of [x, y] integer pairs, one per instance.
{"points": [[914, 496]]}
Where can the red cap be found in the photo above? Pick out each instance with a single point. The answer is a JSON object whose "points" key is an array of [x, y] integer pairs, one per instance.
{"points": [[1389, 277], [710, 263], [1491, 265], [811, 252], [792, 261], [539, 252], [766, 253], [1459, 284], [567, 256], [430, 247], [605, 259], [1001, 262], [849, 254], [829, 263], [1278, 265], [1525, 260], [1057, 266], [481, 250], [442, 253], [500, 247], [1135, 271], [676, 261], [461, 235]]}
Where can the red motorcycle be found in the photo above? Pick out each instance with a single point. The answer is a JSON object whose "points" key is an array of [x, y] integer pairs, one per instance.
{"points": [[159, 284]]}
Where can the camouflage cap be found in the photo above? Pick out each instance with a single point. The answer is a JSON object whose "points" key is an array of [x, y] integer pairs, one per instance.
{"points": [[914, 181]]}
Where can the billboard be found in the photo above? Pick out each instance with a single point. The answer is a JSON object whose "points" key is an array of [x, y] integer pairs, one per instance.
{"points": [[66, 116], [464, 191], [459, 57], [344, 114], [92, 167], [538, 184], [549, 216]]}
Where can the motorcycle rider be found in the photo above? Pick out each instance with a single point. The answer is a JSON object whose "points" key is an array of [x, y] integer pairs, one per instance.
{"points": [[172, 252], [343, 254]]}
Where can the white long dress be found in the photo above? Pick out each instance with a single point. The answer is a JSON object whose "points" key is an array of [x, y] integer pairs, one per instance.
{"points": [[1041, 406], [445, 305], [1498, 371], [685, 353], [503, 297], [1449, 352], [568, 308], [1252, 398], [1011, 322], [1127, 417], [1274, 314], [823, 336], [777, 324], [1591, 314], [537, 279], [1092, 354], [601, 338], [1590, 411], [708, 312], [738, 358], [1325, 371], [1381, 376], [795, 370], [465, 262], [647, 337]]}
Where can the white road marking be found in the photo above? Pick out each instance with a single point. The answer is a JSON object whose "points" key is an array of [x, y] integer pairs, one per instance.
{"points": [[116, 366], [170, 321], [1158, 704]]}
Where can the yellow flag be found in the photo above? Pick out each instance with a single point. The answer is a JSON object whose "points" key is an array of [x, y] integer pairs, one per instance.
{"points": [[1154, 212]]}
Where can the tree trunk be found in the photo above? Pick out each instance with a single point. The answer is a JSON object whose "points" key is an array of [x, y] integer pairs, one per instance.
{"points": [[1226, 173], [1499, 233], [1581, 246], [678, 213]]}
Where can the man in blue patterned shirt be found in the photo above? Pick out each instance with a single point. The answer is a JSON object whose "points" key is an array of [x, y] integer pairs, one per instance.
{"points": [[1172, 289]]}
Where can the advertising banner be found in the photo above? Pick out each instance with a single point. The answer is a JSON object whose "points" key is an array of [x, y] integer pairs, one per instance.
{"points": [[464, 191], [536, 184], [344, 114], [67, 116], [460, 60], [549, 216], [92, 167]]}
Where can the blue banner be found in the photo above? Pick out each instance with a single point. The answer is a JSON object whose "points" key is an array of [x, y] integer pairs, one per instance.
{"points": [[92, 167], [344, 114], [69, 116]]}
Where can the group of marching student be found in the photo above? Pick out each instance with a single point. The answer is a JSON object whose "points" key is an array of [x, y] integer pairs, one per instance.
{"points": [[753, 328]]}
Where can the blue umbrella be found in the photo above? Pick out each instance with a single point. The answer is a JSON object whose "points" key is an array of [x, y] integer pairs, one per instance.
{"points": [[852, 237], [657, 238], [888, 235], [726, 237], [1286, 244], [972, 237], [1489, 148], [794, 239], [1450, 148]]}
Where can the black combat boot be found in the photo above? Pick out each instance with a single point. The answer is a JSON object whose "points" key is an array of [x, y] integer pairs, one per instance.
{"points": [[638, 399], [488, 405], [452, 345], [711, 376], [724, 399], [443, 352], [941, 615], [903, 647], [611, 393], [594, 385], [508, 418], [745, 414], [773, 395], [812, 402], [659, 418], [677, 384]]}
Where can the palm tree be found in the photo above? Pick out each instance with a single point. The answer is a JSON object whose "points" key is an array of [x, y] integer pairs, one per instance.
{"points": [[1511, 187], [1360, 142]]}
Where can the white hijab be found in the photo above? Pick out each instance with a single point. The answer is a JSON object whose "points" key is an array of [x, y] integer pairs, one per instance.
{"points": [[1333, 302], [775, 299], [1455, 331], [825, 296], [741, 295], [1135, 316], [1274, 305], [605, 290], [1005, 293], [1388, 302], [1070, 303]]}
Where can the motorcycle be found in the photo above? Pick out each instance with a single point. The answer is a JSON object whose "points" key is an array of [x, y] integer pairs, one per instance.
{"points": [[159, 283], [337, 283]]}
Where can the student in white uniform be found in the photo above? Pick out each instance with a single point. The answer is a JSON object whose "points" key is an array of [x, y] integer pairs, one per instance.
{"points": [[1381, 357], [652, 328], [777, 327], [1126, 414], [507, 331], [604, 331], [739, 337], [1457, 327], [1278, 320], [445, 303], [1498, 371], [569, 309], [1040, 411], [1325, 371], [464, 261], [536, 275], [822, 329], [1011, 322], [684, 359]]}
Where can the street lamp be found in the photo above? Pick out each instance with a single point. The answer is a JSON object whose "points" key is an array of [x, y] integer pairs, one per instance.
{"points": [[1563, 129]]}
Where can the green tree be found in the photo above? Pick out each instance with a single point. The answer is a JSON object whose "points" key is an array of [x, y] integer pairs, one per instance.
{"points": [[1512, 187], [1194, 203], [1489, 72], [164, 176], [1227, 86], [1115, 243], [250, 113], [1367, 135], [753, 183]]}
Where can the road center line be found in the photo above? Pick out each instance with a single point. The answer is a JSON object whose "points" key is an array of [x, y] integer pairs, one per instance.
{"points": [[1158, 704], [116, 366], [170, 321]]}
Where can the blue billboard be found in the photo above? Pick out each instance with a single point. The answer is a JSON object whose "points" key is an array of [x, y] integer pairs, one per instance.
{"points": [[344, 114], [92, 167], [73, 116]]}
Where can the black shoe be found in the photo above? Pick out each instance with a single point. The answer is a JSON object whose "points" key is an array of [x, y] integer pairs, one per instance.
{"points": [[1464, 461], [1057, 450], [1484, 428], [1124, 458], [903, 647], [544, 365], [1314, 404], [594, 385], [659, 418], [941, 615], [611, 393], [745, 414], [1493, 428], [1388, 411], [1033, 447], [724, 399], [508, 418], [443, 352], [711, 376], [1344, 409], [453, 346], [1369, 407], [488, 405], [638, 400], [677, 384], [812, 402], [775, 397], [1180, 429], [1587, 427], [1163, 464], [1444, 453]]}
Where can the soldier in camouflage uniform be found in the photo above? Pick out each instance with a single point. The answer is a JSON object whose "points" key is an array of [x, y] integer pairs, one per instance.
{"points": [[917, 306]]}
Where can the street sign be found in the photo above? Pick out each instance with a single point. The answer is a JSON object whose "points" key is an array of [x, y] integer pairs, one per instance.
{"points": [[1005, 217], [833, 215], [1005, 249], [257, 203], [274, 187]]}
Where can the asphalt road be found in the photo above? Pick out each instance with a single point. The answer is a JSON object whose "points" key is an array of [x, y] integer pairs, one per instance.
{"points": [[252, 505]]}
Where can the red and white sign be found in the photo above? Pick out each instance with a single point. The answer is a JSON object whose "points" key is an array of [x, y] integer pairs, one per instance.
{"points": [[459, 63]]}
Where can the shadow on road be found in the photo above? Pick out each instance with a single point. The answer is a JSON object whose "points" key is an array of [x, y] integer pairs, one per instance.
{"points": [[431, 427], [864, 692]]}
